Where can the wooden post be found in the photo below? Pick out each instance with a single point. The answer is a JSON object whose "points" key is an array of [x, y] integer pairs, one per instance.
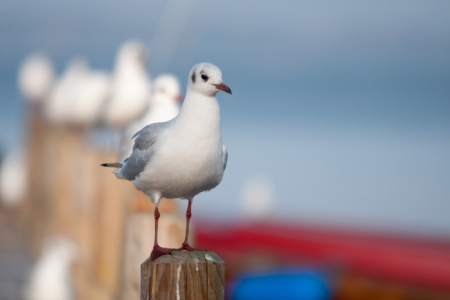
{"points": [[139, 237], [113, 207], [34, 205], [184, 275]]}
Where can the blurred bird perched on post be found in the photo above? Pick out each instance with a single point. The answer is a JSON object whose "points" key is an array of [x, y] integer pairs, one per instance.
{"points": [[50, 278], [131, 88], [35, 78], [163, 107], [78, 95], [94, 89], [63, 95]]}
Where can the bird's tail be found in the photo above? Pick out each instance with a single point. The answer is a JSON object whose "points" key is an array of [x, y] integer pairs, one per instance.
{"points": [[118, 170], [112, 165]]}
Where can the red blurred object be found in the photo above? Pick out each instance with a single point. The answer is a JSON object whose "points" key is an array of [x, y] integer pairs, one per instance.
{"points": [[401, 259]]}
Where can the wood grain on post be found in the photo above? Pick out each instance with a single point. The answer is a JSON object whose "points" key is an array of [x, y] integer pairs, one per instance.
{"points": [[184, 275]]}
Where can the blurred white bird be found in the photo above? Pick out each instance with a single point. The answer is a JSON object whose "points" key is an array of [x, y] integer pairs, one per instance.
{"points": [[35, 78], [93, 91], [130, 90], [59, 106], [162, 107], [257, 196], [13, 178], [51, 277]]}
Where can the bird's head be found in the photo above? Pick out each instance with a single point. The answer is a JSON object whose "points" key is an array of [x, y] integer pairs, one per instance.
{"points": [[134, 52], [167, 85], [206, 79]]}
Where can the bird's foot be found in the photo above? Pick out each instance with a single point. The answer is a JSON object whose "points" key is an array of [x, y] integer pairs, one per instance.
{"points": [[186, 247], [158, 251]]}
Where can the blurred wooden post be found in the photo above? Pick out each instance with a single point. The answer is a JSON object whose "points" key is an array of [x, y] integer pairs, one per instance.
{"points": [[193, 275], [34, 206], [113, 207]]}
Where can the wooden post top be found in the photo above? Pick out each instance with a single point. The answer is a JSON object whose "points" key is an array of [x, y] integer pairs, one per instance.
{"points": [[181, 256], [183, 275]]}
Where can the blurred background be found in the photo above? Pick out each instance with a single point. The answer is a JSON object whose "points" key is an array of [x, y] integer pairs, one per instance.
{"points": [[338, 132]]}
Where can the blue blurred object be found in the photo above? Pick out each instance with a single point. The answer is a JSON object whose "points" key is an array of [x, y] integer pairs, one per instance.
{"points": [[282, 284]]}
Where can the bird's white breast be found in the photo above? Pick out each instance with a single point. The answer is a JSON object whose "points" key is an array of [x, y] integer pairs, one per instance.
{"points": [[188, 160]]}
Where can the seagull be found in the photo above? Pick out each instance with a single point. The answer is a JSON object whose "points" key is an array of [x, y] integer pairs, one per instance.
{"points": [[58, 108], [92, 93], [182, 157], [35, 78], [163, 107], [130, 90]]}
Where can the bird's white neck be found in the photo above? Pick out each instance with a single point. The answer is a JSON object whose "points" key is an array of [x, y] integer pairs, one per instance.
{"points": [[200, 110], [199, 105]]}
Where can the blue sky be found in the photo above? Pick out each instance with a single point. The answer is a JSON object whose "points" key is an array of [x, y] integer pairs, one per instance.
{"points": [[344, 105]]}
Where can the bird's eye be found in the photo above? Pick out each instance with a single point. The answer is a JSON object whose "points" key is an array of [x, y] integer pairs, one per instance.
{"points": [[204, 77]]}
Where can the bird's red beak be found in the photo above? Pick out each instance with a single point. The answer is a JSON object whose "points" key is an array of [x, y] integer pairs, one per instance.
{"points": [[223, 87], [179, 98]]}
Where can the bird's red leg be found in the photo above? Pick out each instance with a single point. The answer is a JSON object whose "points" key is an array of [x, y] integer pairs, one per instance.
{"points": [[157, 250], [185, 245], [188, 218]]}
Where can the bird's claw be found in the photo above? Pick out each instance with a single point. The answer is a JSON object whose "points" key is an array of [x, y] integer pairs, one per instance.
{"points": [[189, 248], [159, 251]]}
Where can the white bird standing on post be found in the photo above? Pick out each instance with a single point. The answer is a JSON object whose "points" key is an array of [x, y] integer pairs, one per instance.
{"points": [[162, 108], [182, 157]]}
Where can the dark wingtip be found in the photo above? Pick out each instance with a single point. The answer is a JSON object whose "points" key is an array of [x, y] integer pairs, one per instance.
{"points": [[104, 165]]}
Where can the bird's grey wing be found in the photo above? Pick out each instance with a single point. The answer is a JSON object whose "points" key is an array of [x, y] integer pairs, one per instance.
{"points": [[224, 157], [147, 136], [143, 150]]}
